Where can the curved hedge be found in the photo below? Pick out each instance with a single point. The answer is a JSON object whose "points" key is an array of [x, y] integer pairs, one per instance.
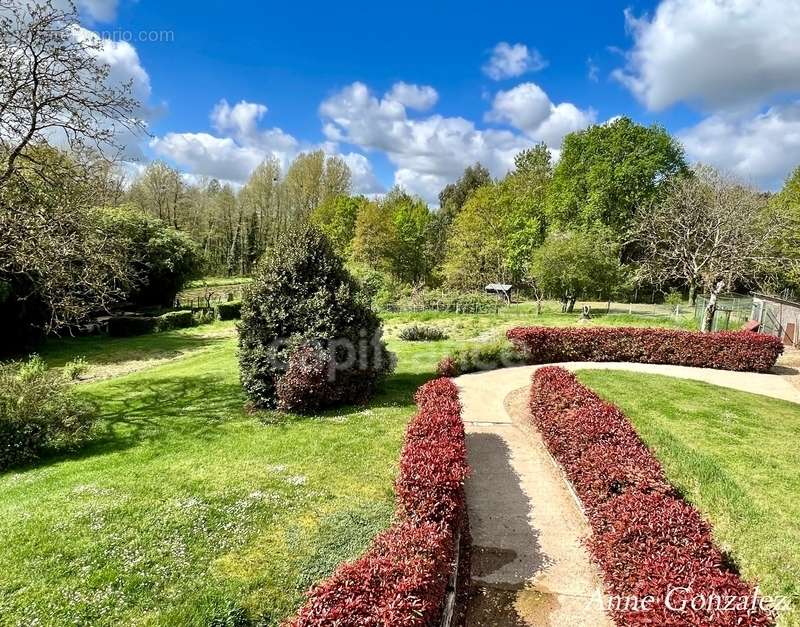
{"points": [[647, 540], [739, 350], [402, 579]]}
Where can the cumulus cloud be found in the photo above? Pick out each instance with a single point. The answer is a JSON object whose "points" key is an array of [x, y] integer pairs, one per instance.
{"points": [[413, 96], [718, 53], [528, 108], [99, 10], [507, 61], [124, 68], [428, 152], [242, 144], [762, 149]]}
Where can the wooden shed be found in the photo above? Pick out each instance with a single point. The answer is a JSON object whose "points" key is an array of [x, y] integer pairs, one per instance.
{"points": [[500, 289], [777, 316]]}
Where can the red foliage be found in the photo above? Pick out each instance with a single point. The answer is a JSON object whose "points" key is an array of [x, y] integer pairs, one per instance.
{"points": [[402, 578], [726, 350], [312, 381], [647, 540]]}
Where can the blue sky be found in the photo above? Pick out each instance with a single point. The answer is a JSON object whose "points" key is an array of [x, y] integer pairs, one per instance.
{"points": [[410, 93]]}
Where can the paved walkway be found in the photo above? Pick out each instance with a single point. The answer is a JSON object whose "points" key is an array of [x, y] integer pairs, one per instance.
{"points": [[529, 564]]}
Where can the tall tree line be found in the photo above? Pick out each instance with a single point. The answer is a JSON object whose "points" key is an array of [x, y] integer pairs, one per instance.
{"points": [[234, 227]]}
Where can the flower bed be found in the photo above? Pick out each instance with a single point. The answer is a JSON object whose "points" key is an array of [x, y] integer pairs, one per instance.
{"points": [[648, 542], [403, 578], [745, 351]]}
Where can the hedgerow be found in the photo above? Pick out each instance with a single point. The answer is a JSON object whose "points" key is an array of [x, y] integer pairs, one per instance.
{"points": [[744, 351], [647, 541], [229, 311], [402, 579], [478, 357]]}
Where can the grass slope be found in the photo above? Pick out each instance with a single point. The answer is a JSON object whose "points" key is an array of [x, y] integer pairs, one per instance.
{"points": [[185, 510], [735, 456]]}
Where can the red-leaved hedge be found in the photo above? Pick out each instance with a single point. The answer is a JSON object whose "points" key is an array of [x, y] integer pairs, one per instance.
{"points": [[736, 350], [402, 579], [647, 540]]}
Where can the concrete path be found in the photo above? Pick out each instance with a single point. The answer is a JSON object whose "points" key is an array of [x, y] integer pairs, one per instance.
{"points": [[529, 565]]}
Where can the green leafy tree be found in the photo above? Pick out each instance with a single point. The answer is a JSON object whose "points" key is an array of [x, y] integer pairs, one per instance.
{"points": [[336, 218], [573, 264], [608, 171], [391, 235], [302, 297]]}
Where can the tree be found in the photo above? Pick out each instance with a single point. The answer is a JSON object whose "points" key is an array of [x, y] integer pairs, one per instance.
{"points": [[609, 170], [54, 83], [160, 191], [57, 262], [390, 236], [454, 195], [336, 217], [709, 232], [572, 264], [313, 178], [476, 249], [161, 259], [784, 207], [497, 230], [304, 303]]}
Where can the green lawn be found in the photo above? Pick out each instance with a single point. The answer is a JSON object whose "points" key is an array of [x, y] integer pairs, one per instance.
{"points": [[736, 456], [186, 510]]}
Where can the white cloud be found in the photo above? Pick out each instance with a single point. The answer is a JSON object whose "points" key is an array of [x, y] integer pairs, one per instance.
{"points": [[508, 61], [761, 149], [413, 96], [242, 145], [528, 108], [207, 155], [242, 118], [124, 67], [428, 152], [99, 10], [718, 53], [363, 178]]}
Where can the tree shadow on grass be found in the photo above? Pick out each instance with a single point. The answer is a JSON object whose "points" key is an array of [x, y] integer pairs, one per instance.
{"points": [[155, 413]]}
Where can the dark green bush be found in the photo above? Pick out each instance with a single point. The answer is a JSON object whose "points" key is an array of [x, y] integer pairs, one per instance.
{"points": [[229, 311], [127, 326], [163, 259], [175, 320], [301, 294], [422, 333], [39, 411]]}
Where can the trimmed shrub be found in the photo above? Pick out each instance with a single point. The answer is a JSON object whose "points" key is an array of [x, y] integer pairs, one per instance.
{"points": [[744, 351], [128, 326], [38, 411], [647, 540], [402, 579], [302, 294], [422, 333], [479, 357], [175, 320], [229, 311]]}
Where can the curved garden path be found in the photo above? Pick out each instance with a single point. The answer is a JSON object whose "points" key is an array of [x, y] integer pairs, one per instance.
{"points": [[529, 566]]}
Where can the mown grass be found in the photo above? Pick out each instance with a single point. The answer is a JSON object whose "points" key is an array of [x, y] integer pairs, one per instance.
{"points": [[735, 456], [187, 510]]}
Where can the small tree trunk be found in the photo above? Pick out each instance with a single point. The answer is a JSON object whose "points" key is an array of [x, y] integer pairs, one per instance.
{"points": [[692, 293], [711, 307], [570, 304]]}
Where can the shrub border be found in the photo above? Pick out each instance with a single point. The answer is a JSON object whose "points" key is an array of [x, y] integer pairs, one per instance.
{"points": [[727, 350], [646, 538], [411, 573]]}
